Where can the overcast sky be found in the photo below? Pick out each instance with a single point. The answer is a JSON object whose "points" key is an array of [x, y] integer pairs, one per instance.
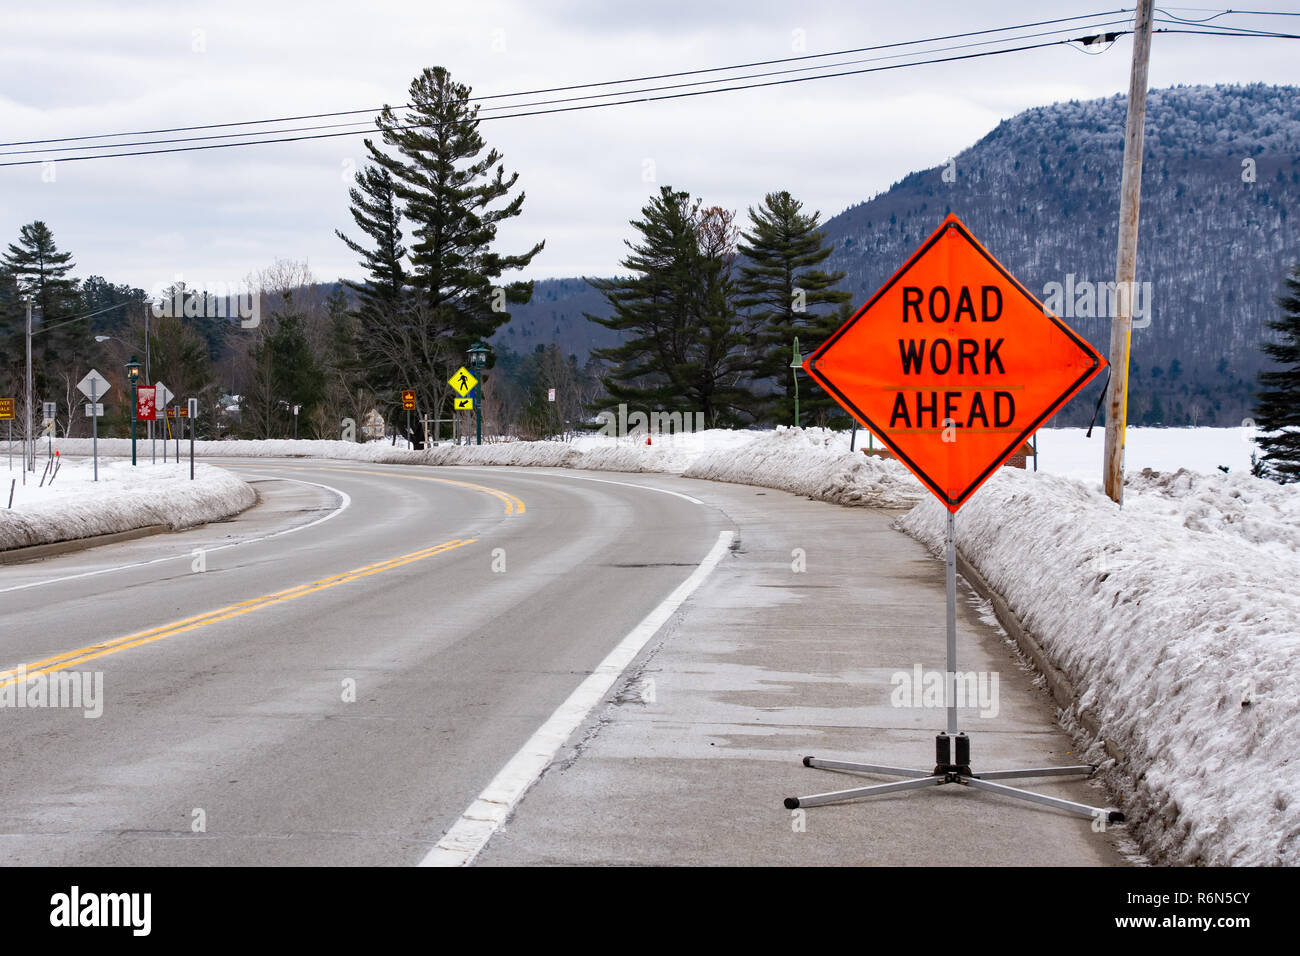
{"points": [[93, 67]]}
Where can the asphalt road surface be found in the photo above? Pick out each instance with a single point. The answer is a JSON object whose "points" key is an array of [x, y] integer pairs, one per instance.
{"points": [[226, 704], [336, 675]]}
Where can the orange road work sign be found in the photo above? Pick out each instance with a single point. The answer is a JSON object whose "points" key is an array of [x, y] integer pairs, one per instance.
{"points": [[408, 399], [953, 364]]}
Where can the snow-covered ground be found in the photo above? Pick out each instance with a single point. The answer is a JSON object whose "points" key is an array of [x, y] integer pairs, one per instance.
{"points": [[1177, 619], [123, 499]]}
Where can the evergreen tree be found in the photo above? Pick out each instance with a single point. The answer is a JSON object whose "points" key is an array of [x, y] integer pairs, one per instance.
{"points": [[782, 287], [377, 213], [37, 269], [454, 192], [1277, 409], [686, 347]]}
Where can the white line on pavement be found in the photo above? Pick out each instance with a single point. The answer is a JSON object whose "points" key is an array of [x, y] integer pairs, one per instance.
{"points": [[467, 837], [604, 481], [345, 502]]}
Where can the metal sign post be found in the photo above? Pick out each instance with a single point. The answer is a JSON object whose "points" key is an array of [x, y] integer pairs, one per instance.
{"points": [[94, 386], [1033, 364], [162, 398], [94, 430], [193, 408], [7, 413]]}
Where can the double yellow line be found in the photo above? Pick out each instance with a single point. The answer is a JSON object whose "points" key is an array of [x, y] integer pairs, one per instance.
{"points": [[89, 653], [514, 505]]}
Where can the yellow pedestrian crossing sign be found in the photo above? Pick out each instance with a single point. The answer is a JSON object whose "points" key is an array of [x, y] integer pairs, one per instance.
{"points": [[463, 382], [463, 404]]}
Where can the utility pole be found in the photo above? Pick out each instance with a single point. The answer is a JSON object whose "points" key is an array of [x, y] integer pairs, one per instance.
{"points": [[29, 438], [1121, 326]]}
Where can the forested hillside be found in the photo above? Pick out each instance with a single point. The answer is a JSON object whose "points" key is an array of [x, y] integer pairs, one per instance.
{"points": [[1220, 185]]}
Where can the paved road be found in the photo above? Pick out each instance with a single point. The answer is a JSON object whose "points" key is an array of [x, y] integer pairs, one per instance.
{"points": [[229, 698], [465, 606]]}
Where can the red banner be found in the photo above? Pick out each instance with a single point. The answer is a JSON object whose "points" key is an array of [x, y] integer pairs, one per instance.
{"points": [[145, 408]]}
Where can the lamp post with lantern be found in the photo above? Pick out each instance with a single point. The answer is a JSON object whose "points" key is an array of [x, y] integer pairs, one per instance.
{"points": [[478, 358], [133, 376]]}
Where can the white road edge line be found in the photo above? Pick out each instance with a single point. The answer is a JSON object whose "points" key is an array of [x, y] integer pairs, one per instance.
{"points": [[603, 481], [476, 826], [345, 502]]}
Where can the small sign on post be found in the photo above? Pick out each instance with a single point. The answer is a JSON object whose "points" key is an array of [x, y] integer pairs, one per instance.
{"points": [[7, 414], [550, 394], [94, 386]]}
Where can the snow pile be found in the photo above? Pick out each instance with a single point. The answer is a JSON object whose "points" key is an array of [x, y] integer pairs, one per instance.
{"points": [[123, 499], [812, 462], [1177, 619]]}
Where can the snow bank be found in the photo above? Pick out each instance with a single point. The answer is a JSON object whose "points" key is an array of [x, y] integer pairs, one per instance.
{"points": [[123, 499], [1177, 619], [812, 462]]}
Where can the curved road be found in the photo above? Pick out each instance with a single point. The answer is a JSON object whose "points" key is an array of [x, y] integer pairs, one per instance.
{"points": [[332, 677]]}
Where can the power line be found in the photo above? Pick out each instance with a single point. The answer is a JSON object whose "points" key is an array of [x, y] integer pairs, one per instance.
{"points": [[367, 125], [648, 99], [580, 86], [558, 109]]}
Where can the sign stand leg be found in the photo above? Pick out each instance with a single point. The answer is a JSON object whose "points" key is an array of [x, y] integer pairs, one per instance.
{"points": [[947, 769]]}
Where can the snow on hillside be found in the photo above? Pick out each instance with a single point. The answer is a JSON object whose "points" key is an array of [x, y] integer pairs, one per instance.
{"points": [[123, 499]]}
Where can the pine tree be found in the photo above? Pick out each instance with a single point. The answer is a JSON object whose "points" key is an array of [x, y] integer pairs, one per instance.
{"points": [[377, 213], [40, 271], [423, 306], [781, 287], [455, 193], [686, 347], [1277, 409]]}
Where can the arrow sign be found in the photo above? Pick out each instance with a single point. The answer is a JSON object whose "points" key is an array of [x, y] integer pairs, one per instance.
{"points": [[463, 404], [162, 395], [953, 364], [94, 385]]}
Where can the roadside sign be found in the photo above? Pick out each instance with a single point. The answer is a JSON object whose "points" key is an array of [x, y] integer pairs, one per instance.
{"points": [[550, 394], [49, 410], [146, 408], [6, 409], [191, 410], [163, 395], [463, 404], [408, 399], [463, 382], [94, 386], [94, 411], [953, 364]]}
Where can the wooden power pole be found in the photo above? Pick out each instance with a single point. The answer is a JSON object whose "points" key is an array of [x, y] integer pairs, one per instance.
{"points": [[1121, 326]]}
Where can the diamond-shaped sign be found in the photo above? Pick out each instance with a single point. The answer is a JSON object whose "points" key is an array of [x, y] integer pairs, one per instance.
{"points": [[953, 364], [463, 381], [94, 385], [162, 395]]}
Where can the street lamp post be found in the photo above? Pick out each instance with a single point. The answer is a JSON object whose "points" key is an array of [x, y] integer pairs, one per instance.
{"points": [[796, 363], [133, 376], [478, 357]]}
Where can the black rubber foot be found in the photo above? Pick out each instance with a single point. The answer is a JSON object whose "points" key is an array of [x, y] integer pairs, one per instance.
{"points": [[1114, 816], [792, 803], [807, 762]]}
